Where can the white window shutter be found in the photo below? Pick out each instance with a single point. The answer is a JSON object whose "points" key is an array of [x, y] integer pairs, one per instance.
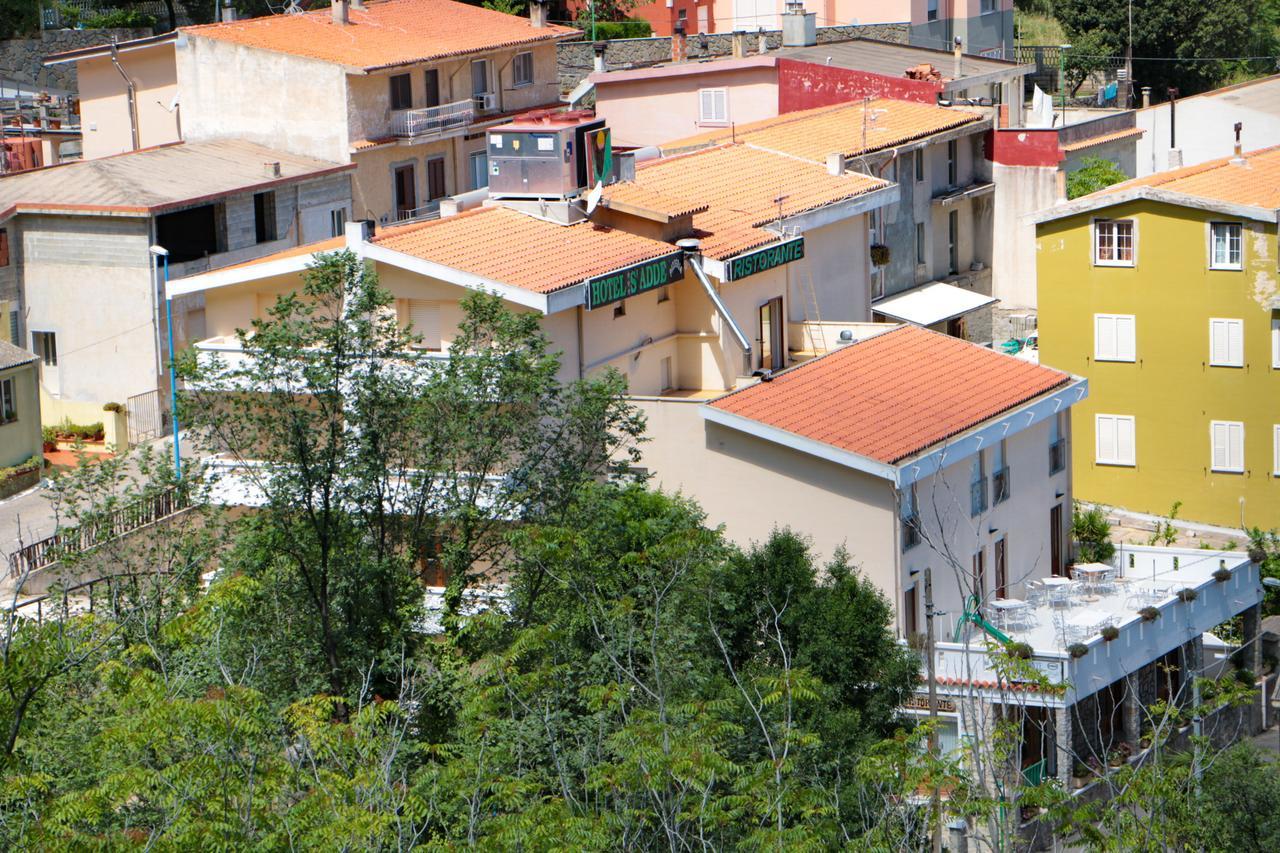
{"points": [[1125, 441], [1275, 342], [1106, 429], [1275, 450], [705, 104], [1126, 339], [1235, 446], [721, 101], [1104, 346], [1219, 435], [424, 317], [1235, 342]]}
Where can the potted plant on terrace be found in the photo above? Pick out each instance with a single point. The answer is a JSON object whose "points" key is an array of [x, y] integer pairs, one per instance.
{"points": [[1149, 613], [879, 254]]}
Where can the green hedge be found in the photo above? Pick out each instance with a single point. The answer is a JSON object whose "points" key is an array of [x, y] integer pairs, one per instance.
{"points": [[606, 30]]}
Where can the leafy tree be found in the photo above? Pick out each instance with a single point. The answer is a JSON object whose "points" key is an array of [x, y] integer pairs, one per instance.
{"points": [[1092, 534], [1095, 173], [19, 18], [1264, 549]]}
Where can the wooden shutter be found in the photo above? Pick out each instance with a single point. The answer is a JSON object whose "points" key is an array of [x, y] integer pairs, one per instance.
{"points": [[435, 179]]}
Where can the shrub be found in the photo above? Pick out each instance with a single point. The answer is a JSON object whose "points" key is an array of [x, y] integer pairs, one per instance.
{"points": [[1149, 613], [1092, 533], [127, 18], [1187, 594], [606, 30], [879, 254], [1078, 650], [113, 407], [1094, 174], [1021, 651], [1245, 677], [1222, 575], [1109, 632], [68, 431]]}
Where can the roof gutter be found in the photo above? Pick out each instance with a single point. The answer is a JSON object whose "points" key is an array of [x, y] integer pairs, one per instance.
{"points": [[133, 96]]}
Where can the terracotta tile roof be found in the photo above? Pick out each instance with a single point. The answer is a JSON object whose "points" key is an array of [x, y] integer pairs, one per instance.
{"points": [[741, 186], [364, 144], [891, 396], [520, 250], [333, 244], [1255, 183], [631, 194], [1114, 136], [385, 34], [813, 134]]}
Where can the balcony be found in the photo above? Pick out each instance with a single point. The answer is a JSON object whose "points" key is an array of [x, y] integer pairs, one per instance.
{"points": [[427, 122]]}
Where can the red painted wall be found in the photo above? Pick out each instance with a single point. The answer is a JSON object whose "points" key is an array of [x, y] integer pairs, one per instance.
{"points": [[803, 85], [1022, 147]]}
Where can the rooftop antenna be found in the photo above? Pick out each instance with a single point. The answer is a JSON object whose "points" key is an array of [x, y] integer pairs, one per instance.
{"points": [[778, 201]]}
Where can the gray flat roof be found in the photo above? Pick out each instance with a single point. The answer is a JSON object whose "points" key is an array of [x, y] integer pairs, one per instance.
{"points": [[12, 356], [153, 180], [893, 59]]}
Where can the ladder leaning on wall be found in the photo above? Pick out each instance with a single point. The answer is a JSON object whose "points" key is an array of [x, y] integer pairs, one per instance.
{"points": [[814, 329]]}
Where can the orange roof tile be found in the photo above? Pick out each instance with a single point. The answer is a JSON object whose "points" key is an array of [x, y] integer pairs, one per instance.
{"points": [[385, 34], [521, 250], [631, 194], [1114, 136], [333, 244], [813, 134], [742, 187], [891, 396], [1255, 183]]}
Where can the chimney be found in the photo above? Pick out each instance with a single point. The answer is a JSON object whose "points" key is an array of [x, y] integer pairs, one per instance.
{"points": [[339, 12], [958, 52], [271, 169], [835, 164], [739, 44], [678, 48], [1146, 97], [357, 4], [1238, 159], [228, 11], [597, 49], [1175, 158], [538, 13], [798, 26]]}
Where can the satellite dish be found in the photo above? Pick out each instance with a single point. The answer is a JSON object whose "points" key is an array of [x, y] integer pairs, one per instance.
{"points": [[593, 197]]}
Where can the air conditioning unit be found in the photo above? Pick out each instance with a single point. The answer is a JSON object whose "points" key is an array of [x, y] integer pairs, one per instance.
{"points": [[486, 101]]}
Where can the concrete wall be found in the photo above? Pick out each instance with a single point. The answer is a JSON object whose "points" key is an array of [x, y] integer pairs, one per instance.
{"points": [[978, 31], [658, 110], [286, 102], [752, 486], [952, 535], [1204, 125], [21, 59], [767, 14], [575, 59], [20, 439], [104, 101], [1171, 391]]}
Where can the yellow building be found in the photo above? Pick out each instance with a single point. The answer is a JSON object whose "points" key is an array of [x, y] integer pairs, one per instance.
{"points": [[1162, 291]]}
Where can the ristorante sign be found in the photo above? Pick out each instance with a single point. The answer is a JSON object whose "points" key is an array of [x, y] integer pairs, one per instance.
{"points": [[762, 260]]}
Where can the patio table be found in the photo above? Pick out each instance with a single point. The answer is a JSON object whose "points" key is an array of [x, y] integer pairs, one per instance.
{"points": [[1096, 577], [1012, 612]]}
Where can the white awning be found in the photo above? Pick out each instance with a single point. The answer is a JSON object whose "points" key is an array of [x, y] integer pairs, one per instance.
{"points": [[931, 303]]}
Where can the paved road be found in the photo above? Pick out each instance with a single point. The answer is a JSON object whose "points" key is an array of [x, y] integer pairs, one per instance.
{"points": [[28, 516]]}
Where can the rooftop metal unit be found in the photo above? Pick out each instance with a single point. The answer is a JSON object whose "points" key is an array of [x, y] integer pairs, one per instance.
{"points": [[543, 155]]}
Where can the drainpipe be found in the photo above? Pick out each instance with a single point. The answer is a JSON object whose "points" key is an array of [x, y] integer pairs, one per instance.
{"points": [[692, 257], [133, 103]]}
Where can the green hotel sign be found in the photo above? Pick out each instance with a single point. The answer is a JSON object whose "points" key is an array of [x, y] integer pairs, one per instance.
{"points": [[634, 280], [764, 259]]}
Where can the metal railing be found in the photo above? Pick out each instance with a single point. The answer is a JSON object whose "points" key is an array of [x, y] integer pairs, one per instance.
{"points": [[75, 540], [1057, 456], [430, 210], [433, 121], [1000, 486]]}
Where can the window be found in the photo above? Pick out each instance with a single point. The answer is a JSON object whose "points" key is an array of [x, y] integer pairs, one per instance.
{"points": [[404, 190], [479, 161], [952, 170], [1000, 473], [713, 106], [4, 247], [953, 244], [1227, 440], [909, 517], [264, 217], [920, 256], [401, 92], [1226, 342], [479, 77], [1275, 450], [431, 79], [15, 336], [771, 344], [522, 69], [45, 346], [665, 382], [337, 221], [664, 295], [620, 309], [919, 158], [910, 609], [978, 485], [1224, 246], [932, 10], [988, 6], [1057, 443], [8, 403], [1113, 337], [1275, 340], [980, 573], [424, 322], [1115, 434], [435, 179], [1113, 242], [1002, 567]]}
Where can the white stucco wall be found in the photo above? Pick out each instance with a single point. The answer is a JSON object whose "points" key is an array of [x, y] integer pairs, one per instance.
{"points": [[1204, 125], [104, 101], [1021, 192]]}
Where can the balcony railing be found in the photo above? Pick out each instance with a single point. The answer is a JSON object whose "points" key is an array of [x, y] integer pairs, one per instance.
{"points": [[433, 121], [978, 497], [1000, 486], [1057, 456]]}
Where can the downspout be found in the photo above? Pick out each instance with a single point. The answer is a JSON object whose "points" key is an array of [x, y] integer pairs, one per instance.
{"points": [[132, 93], [693, 257]]}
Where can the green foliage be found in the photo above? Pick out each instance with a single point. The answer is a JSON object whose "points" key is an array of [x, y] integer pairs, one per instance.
{"points": [[35, 463], [1264, 549], [1094, 174], [1092, 534], [129, 18], [66, 430], [1166, 533], [507, 7], [19, 18]]}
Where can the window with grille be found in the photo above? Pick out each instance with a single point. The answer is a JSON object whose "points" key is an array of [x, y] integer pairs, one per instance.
{"points": [[713, 106], [1224, 246], [1113, 242]]}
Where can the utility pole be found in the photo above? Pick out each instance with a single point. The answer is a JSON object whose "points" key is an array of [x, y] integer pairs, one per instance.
{"points": [[933, 706], [1062, 78]]}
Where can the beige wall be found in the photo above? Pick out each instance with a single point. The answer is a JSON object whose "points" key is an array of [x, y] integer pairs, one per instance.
{"points": [[751, 485], [273, 99], [20, 439], [104, 101], [658, 110], [372, 188]]}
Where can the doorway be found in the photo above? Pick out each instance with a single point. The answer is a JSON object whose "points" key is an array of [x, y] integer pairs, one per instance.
{"points": [[404, 181], [1055, 541], [772, 327]]}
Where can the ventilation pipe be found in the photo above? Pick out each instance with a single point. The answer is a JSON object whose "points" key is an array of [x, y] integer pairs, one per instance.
{"points": [[228, 12], [835, 164], [597, 60], [1146, 97], [693, 257], [538, 13], [957, 53], [132, 96], [340, 12], [1238, 159], [1175, 153]]}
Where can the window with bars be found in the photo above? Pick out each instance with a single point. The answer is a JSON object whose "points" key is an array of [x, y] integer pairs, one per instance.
{"points": [[1224, 246], [1113, 242]]}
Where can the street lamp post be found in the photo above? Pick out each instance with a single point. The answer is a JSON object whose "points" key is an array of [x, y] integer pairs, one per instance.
{"points": [[1062, 79], [163, 253]]}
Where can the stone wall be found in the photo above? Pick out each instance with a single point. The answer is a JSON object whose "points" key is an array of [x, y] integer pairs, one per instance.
{"points": [[20, 59], [576, 58]]}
